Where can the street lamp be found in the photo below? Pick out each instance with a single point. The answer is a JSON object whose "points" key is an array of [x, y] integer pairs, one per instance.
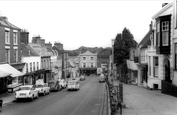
{"points": [[112, 60]]}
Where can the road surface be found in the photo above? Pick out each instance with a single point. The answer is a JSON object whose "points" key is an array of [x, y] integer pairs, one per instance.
{"points": [[86, 101]]}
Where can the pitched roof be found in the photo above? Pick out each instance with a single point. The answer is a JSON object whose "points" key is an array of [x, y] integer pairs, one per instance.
{"points": [[164, 11], [7, 24], [25, 50], [87, 53], [41, 50], [146, 40]]}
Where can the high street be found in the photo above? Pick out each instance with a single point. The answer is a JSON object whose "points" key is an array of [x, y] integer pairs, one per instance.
{"points": [[86, 101]]}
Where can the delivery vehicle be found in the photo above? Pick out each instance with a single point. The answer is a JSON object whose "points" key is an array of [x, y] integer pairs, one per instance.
{"points": [[63, 83], [26, 92], [73, 84], [82, 77], [43, 89], [54, 85], [101, 78]]}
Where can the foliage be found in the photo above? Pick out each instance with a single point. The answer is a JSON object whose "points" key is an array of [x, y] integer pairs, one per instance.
{"points": [[123, 42]]}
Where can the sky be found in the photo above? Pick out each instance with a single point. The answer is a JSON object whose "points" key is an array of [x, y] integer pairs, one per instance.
{"points": [[75, 23]]}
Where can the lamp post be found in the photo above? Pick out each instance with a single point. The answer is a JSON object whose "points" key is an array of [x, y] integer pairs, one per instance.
{"points": [[112, 60]]}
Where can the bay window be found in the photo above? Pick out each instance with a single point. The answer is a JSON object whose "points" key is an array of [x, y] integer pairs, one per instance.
{"points": [[158, 33], [165, 33]]}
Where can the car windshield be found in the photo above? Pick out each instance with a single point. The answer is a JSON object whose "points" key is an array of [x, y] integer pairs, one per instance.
{"points": [[39, 86], [25, 88]]}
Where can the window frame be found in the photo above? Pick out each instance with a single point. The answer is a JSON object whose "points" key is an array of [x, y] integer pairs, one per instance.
{"points": [[165, 28], [158, 33], [7, 36], [156, 66], [15, 38], [7, 57], [16, 55]]}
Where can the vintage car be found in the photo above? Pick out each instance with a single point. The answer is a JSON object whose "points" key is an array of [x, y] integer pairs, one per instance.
{"points": [[101, 78], [43, 89], [63, 83], [73, 84], [54, 85], [26, 91], [82, 77]]}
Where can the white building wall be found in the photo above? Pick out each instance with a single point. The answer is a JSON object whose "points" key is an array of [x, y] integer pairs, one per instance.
{"points": [[88, 61], [29, 60]]}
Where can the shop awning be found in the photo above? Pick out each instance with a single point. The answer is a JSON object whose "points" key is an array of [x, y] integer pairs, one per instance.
{"points": [[131, 65], [4, 74], [9, 69]]}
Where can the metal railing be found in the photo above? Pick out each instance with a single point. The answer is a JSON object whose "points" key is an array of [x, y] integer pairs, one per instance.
{"points": [[114, 93]]}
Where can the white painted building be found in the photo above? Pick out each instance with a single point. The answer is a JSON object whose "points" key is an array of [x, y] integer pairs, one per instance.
{"points": [[159, 53]]}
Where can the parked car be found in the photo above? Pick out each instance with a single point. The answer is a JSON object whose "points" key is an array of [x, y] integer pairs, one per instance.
{"points": [[54, 85], [73, 84], [26, 91], [82, 77], [63, 83], [101, 78], [43, 89]]}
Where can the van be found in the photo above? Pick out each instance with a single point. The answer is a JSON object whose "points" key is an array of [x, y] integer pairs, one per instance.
{"points": [[73, 84], [101, 78], [54, 85]]}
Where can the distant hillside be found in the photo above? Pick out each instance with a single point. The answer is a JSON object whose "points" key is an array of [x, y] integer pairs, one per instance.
{"points": [[103, 53]]}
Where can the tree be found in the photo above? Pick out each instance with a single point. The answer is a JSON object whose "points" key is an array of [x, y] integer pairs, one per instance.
{"points": [[123, 43]]}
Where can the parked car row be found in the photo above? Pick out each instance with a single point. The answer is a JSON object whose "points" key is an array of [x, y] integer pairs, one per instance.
{"points": [[33, 91]]}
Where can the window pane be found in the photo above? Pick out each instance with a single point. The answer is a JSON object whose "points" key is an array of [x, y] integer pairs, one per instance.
{"points": [[156, 71], [165, 37]]}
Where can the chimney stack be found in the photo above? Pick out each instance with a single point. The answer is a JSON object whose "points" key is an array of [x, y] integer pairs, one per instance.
{"points": [[48, 45], [4, 18], [164, 4]]}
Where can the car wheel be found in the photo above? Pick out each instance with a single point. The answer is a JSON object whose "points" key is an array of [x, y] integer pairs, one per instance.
{"points": [[37, 96], [32, 98]]}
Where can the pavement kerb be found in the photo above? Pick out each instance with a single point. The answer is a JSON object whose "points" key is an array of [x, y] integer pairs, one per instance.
{"points": [[103, 101], [108, 101]]}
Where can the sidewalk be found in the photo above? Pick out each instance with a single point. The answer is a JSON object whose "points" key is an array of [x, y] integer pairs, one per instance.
{"points": [[140, 101], [7, 98]]}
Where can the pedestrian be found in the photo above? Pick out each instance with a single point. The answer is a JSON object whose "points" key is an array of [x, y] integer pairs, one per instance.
{"points": [[119, 106]]}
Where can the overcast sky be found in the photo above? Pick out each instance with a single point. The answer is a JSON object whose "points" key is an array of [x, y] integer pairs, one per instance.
{"points": [[75, 23]]}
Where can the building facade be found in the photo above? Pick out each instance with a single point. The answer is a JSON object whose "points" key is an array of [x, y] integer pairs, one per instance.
{"points": [[88, 63], [10, 58]]}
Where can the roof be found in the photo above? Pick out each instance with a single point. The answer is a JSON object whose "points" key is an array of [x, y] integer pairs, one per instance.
{"points": [[146, 40], [164, 11], [7, 24], [9, 69], [25, 50], [40, 50], [4, 74], [88, 53]]}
